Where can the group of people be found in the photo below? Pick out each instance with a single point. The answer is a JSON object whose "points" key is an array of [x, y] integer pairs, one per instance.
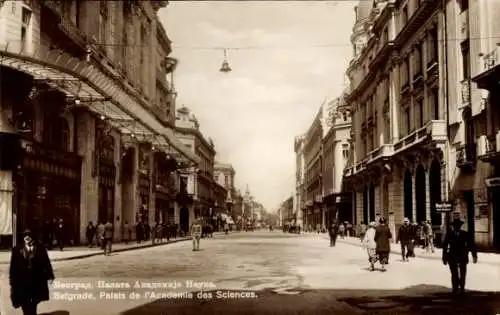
{"points": [[457, 245], [51, 233], [100, 235]]}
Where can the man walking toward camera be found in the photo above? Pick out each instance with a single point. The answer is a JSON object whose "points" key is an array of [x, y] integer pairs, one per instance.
{"points": [[456, 247], [196, 230]]}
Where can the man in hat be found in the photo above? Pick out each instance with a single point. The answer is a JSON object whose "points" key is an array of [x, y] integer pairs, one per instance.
{"points": [[30, 272], [456, 247], [405, 239]]}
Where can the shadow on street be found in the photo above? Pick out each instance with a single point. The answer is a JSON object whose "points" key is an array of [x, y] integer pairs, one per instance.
{"points": [[420, 299]]}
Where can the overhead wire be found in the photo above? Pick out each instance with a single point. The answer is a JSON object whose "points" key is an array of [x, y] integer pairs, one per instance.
{"points": [[272, 47]]}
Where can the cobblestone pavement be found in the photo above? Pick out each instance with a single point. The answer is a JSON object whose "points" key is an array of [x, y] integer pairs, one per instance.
{"points": [[285, 273]]}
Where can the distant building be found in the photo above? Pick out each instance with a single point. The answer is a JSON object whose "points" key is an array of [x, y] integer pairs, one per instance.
{"points": [[198, 180]]}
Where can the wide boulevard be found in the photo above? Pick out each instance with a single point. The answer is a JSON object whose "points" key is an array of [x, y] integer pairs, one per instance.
{"points": [[260, 273]]}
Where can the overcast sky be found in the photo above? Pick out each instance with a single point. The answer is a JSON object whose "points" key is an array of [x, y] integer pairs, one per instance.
{"points": [[289, 57]]}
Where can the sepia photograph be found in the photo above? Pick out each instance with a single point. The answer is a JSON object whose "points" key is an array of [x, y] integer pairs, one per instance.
{"points": [[278, 157]]}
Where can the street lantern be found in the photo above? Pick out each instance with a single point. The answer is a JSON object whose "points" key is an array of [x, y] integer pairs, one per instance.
{"points": [[225, 64]]}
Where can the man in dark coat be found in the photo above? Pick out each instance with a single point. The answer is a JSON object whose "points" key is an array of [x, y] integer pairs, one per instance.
{"points": [[333, 231], [382, 239], [405, 238], [30, 270], [456, 247]]}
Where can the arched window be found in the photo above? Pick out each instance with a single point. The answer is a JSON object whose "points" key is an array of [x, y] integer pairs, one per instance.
{"points": [[56, 132]]}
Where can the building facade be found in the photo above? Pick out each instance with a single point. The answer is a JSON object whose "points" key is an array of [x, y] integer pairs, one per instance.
{"points": [[299, 198], [224, 175], [337, 201], [86, 112], [201, 178], [286, 213], [477, 188], [399, 112], [314, 214]]}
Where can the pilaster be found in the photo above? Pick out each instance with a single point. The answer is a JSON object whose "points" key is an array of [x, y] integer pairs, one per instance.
{"points": [[89, 188], [414, 197], [427, 196], [152, 199], [119, 218]]}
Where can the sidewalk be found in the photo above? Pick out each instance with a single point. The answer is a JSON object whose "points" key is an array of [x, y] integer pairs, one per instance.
{"points": [[78, 252], [485, 258]]}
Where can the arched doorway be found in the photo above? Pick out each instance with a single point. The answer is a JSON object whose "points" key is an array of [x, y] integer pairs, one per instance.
{"points": [[420, 193], [184, 219], [435, 191], [408, 195], [372, 202]]}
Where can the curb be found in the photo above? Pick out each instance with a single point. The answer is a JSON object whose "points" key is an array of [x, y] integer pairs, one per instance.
{"points": [[491, 263], [97, 253]]}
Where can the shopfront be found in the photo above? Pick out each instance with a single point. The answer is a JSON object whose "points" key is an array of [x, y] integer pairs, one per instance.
{"points": [[105, 169]]}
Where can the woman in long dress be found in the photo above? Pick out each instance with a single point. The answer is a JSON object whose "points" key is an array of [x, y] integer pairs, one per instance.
{"points": [[371, 245]]}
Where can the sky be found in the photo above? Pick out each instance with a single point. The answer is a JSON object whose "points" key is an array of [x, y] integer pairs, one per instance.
{"points": [[287, 57]]}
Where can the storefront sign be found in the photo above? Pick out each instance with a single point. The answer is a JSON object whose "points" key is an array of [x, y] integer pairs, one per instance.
{"points": [[444, 207]]}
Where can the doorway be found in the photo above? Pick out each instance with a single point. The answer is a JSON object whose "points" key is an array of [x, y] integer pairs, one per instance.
{"points": [[469, 200], [435, 191], [184, 219], [420, 194], [408, 196], [495, 196]]}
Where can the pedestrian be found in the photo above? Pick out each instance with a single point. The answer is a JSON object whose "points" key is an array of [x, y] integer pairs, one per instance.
{"points": [[139, 231], [342, 230], [382, 238], [226, 228], [108, 237], [371, 245], [90, 233], [456, 247], [405, 239], [196, 234], [30, 272], [333, 231], [100, 235], [362, 231], [429, 237]]}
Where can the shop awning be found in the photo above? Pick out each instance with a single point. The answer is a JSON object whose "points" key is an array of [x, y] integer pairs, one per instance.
{"points": [[99, 94]]}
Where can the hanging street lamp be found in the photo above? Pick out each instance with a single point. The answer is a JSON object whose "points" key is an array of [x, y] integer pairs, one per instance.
{"points": [[225, 64]]}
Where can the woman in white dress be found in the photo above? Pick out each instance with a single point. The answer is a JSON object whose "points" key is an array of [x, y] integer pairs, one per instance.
{"points": [[371, 245]]}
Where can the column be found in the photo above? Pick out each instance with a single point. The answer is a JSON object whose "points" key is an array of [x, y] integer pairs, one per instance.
{"points": [[338, 167], [427, 195], [378, 202], [394, 102], [414, 197], [152, 198], [130, 191], [359, 206], [119, 219], [89, 188]]}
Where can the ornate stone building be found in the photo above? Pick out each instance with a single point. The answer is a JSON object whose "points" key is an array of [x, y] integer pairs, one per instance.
{"points": [[299, 198], [399, 112], [224, 175], [85, 94], [313, 159], [337, 201], [200, 179]]}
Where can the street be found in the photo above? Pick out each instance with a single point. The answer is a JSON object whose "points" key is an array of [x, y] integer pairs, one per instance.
{"points": [[287, 274]]}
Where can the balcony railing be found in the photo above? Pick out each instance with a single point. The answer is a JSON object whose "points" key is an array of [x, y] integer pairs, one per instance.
{"points": [[465, 92], [490, 60], [466, 156], [434, 130], [491, 144]]}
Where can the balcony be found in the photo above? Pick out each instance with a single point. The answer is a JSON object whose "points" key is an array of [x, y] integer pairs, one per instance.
{"points": [[382, 54], [488, 78], [466, 156], [434, 130], [422, 14], [465, 89], [490, 154]]}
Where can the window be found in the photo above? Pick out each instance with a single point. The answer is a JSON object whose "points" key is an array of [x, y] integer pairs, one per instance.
{"points": [[404, 16], [23, 38], [13, 9], [464, 46], [345, 150], [385, 36], [26, 16], [419, 113], [103, 17], [433, 46], [226, 181], [464, 5], [417, 60], [407, 120], [435, 104]]}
